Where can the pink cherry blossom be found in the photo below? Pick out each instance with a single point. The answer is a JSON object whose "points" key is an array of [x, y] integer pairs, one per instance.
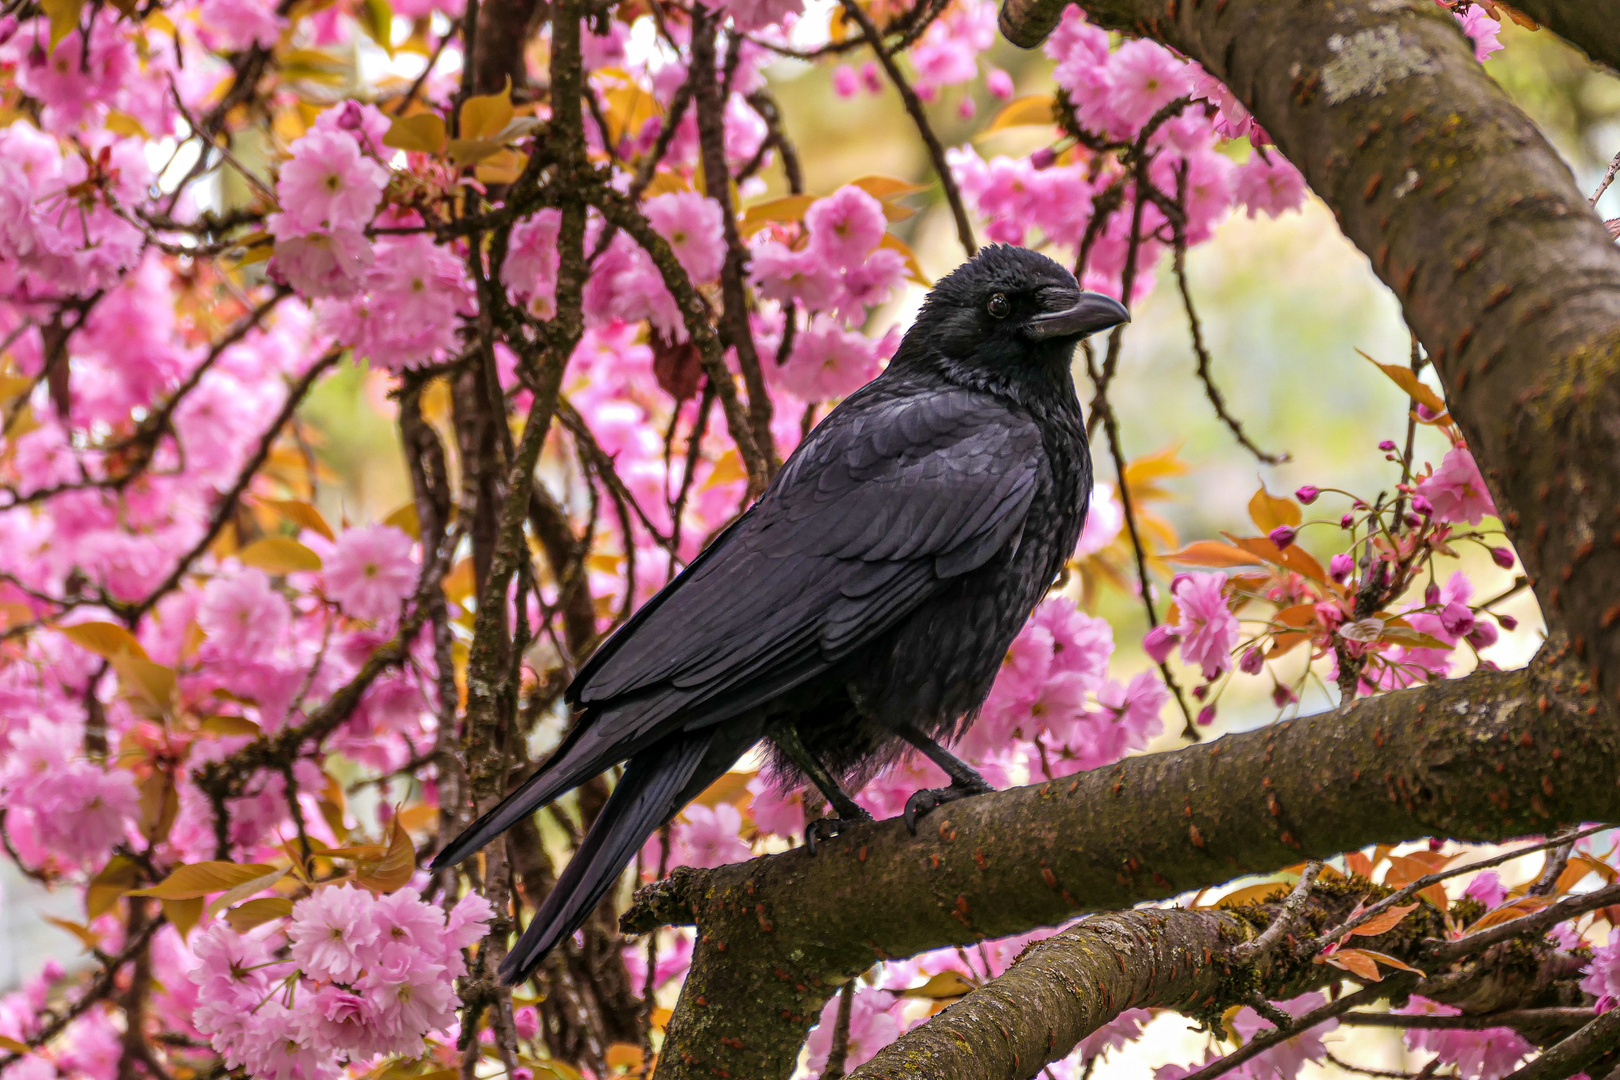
{"points": [[845, 226], [326, 263], [707, 836], [872, 1026], [233, 25], [692, 225], [776, 812], [1145, 77], [530, 270], [1482, 31], [1489, 1054], [1207, 628], [328, 183], [370, 571], [333, 932], [1268, 184], [829, 361], [1105, 517], [1456, 489], [241, 614]]}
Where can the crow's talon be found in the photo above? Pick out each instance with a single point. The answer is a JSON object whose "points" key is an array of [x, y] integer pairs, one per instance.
{"points": [[928, 799], [828, 827]]}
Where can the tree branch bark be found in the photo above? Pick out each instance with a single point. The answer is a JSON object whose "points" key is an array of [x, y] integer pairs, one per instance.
{"points": [[1490, 756]]}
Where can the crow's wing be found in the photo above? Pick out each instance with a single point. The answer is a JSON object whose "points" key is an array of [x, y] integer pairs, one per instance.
{"points": [[891, 496]]}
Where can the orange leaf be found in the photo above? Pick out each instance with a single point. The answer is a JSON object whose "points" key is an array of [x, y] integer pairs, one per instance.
{"points": [[1211, 553], [1358, 962], [1407, 380], [1268, 511], [1293, 557], [732, 787], [397, 866], [1251, 893], [1384, 923], [1389, 961], [1517, 909], [1359, 864]]}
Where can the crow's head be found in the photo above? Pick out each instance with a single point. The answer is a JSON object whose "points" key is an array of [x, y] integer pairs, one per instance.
{"points": [[1005, 318]]}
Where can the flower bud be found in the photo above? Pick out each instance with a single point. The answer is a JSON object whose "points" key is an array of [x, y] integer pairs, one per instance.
{"points": [[1206, 716], [1307, 494], [1341, 566], [1348, 521], [1422, 506], [1509, 623], [1483, 635], [1431, 595], [1043, 158], [1387, 446], [1252, 662], [1458, 619], [1502, 557], [1283, 536], [1282, 695], [1158, 643]]}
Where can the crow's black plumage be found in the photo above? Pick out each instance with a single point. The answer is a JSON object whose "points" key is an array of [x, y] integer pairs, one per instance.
{"points": [[863, 605]]}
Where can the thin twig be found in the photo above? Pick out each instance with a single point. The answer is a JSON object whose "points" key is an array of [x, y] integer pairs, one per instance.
{"points": [[1267, 1039], [1258, 949], [1206, 373], [1608, 178], [1538, 923], [838, 1049], [1508, 1018], [1403, 894], [919, 117]]}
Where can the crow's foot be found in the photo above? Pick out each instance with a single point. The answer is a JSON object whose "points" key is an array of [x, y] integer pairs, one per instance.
{"points": [[921, 802], [828, 827]]}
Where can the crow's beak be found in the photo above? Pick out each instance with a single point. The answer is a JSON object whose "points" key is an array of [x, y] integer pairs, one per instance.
{"points": [[1091, 313]]}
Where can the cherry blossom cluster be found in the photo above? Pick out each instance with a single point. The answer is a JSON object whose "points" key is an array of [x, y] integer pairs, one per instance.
{"points": [[352, 976], [1379, 614]]}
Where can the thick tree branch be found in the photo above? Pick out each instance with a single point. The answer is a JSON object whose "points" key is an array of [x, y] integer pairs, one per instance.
{"points": [[1493, 755]]}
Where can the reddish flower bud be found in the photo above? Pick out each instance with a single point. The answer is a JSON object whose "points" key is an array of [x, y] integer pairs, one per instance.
{"points": [[1252, 662], [1388, 446], [1206, 715], [1307, 494], [1159, 642], [1283, 535], [1502, 557], [1509, 623], [1043, 158]]}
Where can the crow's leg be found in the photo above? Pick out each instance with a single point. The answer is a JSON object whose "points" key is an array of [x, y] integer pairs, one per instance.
{"points": [[848, 810], [965, 779]]}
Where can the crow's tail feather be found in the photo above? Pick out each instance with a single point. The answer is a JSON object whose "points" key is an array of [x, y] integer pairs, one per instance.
{"points": [[656, 784]]}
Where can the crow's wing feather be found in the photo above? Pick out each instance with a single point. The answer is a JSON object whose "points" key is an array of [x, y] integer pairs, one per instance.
{"points": [[888, 498]]}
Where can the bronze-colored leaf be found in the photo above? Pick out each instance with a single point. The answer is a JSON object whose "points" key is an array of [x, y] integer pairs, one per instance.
{"points": [[245, 917]]}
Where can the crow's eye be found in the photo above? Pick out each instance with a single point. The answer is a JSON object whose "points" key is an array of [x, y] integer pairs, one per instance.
{"points": [[998, 307]]}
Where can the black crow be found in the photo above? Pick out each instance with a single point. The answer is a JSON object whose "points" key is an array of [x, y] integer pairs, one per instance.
{"points": [[863, 605]]}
